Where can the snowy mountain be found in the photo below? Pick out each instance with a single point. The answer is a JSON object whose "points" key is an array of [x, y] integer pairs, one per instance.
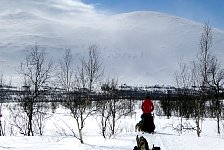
{"points": [[137, 47]]}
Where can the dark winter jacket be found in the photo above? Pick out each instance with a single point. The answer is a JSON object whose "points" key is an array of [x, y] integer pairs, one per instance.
{"points": [[147, 106]]}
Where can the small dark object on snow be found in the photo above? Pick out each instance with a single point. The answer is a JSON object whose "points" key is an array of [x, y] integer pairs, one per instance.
{"points": [[155, 148]]}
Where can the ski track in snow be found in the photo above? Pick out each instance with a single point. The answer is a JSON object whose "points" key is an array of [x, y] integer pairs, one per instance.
{"points": [[159, 138]]}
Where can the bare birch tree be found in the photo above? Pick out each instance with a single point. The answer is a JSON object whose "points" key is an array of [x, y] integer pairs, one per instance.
{"points": [[182, 78], [37, 74], [204, 60], [66, 72], [113, 109], [80, 85], [93, 66], [89, 74], [2, 100], [200, 76], [216, 81]]}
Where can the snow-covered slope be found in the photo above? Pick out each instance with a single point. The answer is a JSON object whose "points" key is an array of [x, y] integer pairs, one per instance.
{"points": [[137, 47]]}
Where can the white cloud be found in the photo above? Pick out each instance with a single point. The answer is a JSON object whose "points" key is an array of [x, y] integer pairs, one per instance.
{"points": [[71, 5], [54, 7]]}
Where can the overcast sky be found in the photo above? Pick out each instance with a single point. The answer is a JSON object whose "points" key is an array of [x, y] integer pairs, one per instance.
{"points": [[197, 10]]}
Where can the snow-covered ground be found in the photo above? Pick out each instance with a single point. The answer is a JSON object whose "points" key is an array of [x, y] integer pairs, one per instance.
{"points": [[165, 137]]}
